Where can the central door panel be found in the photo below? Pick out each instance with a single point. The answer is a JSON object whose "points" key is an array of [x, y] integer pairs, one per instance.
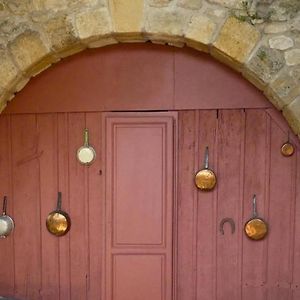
{"points": [[139, 206]]}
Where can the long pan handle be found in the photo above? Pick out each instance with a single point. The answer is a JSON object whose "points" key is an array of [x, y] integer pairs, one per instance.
{"points": [[4, 205], [254, 207], [206, 155], [58, 201]]}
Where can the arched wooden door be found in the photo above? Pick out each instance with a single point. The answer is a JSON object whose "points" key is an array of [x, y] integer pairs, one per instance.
{"points": [[140, 227]]}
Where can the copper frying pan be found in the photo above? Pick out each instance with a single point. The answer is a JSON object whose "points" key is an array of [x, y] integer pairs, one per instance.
{"points": [[256, 228], [206, 179], [58, 222]]}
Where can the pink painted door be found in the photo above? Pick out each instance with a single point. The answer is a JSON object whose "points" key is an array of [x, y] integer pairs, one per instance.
{"points": [[140, 178]]}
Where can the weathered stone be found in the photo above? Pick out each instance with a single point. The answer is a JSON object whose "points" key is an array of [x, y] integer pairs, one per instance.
{"points": [[18, 7], [9, 72], [28, 49], [93, 24], [200, 32], [281, 42], [266, 63], [276, 28], [190, 4], [226, 3], [166, 25], [54, 4], [235, 40], [292, 114], [127, 17], [159, 3], [80, 3], [61, 33], [215, 13], [292, 57]]}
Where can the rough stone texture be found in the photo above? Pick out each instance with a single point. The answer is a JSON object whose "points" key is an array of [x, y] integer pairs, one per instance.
{"points": [[226, 3], [200, 32], [292, 115], [9, 72], [190, 4], [36, 33], [28, 50], [281, 42], [236, 40], [266, 63], [61, 33], [93, 24], [159, 3], [292, 57], [127, 17], [276, 28], [166, 25]]}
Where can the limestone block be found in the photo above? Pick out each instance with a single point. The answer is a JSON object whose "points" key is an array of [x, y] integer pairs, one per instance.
{"points": [[93, 24], [61, 32], [54, 5], [163, 24], [18, 7], [276, 27], [236, 40], [159, 3], [190, 4], [226, 3], [266, 63], [292, 57], [281, 42], [80, 3], [8, 71], [127, 16], [28, 49], [200, 32], [292, 114]]}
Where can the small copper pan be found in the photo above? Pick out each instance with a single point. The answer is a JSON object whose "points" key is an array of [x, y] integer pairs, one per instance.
{"points": [[205, 179], [256, 228], [58, 222]]}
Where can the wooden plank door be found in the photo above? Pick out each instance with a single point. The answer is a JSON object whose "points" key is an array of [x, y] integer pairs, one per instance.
{"points": [[139, 206]]}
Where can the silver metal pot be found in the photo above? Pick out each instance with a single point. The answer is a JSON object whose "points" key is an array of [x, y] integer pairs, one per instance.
{"points": [[6, 222]]}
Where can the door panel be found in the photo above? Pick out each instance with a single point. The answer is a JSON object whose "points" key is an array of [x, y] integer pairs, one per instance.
{"points": [[139, 206]]}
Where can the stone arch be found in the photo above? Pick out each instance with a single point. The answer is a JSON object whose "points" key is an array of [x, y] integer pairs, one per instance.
{"points": [[259, 40]]}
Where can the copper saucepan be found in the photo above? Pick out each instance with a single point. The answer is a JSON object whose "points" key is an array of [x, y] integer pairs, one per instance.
{"points": [[206, 179], [6, 222], [256, 228], [58, 222]]}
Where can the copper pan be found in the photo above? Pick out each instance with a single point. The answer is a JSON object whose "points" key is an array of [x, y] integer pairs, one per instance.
{"points": [[256, 228], [206, 179], [58, 222]]}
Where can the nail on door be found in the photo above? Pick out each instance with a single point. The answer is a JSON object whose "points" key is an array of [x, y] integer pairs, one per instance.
{"points": [[139, 206]]}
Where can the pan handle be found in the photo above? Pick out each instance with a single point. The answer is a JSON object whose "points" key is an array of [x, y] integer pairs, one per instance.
{"points": [[254, 207], [58, 201], [86, 137], [4, 205], [206, 155]]}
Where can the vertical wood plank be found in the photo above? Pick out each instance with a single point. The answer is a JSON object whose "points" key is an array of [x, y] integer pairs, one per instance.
{"points": [[186, 206], [6, 245], [64, 188], [78, 210], [206, 224], [257, 149], [296, 254], [279, 240], [229, 156], [26, 173], [96, 206], [47, 127]]}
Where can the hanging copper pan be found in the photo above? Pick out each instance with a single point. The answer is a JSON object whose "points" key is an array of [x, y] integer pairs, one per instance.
{"points": [[206, 179], [256, 228], [58, 222]]}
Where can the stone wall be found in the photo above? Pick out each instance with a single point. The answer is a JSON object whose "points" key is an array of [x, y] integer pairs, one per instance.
{"points": [[258, 38]]}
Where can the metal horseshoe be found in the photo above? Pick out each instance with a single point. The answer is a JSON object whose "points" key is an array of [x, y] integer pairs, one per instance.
{"points": [[227, 220]]}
